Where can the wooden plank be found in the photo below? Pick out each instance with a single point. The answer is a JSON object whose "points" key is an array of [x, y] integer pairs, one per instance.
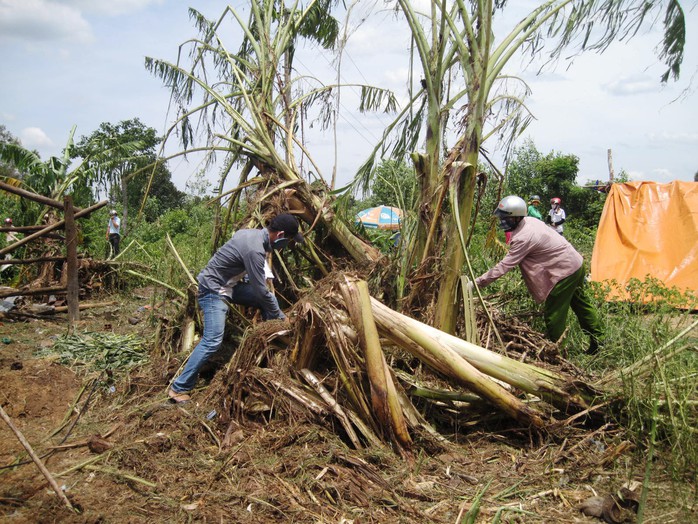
{"points": [[36, 291]]}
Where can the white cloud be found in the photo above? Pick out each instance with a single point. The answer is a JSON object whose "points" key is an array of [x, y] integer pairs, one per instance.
{"points": [[667, 137], [661, 174], [42, 20], [632, 85], [110, 7], [35, 138]]}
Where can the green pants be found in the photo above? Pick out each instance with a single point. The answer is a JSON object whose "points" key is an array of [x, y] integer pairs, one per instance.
{"points": [[571, 292]]}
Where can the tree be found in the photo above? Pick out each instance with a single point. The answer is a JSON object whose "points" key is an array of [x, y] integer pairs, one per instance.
{"points": [[455, 41], [52, 177], [116, 153], [552, 175], [161, 189], [249, 107], [393, 184], [6, 169]]}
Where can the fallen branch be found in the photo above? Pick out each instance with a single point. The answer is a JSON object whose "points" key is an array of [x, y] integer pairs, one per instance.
{"points": [[36, 291], [156, 281], [83, 305], [179, 259], [36, 459], [84, 442]]}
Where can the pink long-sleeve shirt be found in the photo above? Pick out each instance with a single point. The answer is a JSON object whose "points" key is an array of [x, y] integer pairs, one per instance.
{"points": [[545, 258]]}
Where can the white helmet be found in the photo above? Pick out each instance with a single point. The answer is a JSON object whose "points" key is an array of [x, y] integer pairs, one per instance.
{"points": [[112, 212], [510, 211], [511, 206]]}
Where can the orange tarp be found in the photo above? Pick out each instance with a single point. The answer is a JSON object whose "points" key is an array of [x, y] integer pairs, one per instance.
{"points": [[650, 229]]}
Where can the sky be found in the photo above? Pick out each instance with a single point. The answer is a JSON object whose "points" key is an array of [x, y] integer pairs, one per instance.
{"points": [[80, 63]]}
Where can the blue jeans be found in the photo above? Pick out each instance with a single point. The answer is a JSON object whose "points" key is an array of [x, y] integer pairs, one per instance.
{"points": [[215, 310]]}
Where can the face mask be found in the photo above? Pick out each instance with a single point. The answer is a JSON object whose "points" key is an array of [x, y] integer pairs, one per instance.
{"points": [[279, 243], [508, 223], [505, 225]]}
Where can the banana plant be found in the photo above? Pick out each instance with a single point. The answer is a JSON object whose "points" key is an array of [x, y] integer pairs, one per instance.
{"points": [[57, 176], [456, 40], [248, 105]]}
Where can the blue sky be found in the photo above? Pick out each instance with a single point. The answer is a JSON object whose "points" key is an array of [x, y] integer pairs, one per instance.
{"points": [[80, 62]]}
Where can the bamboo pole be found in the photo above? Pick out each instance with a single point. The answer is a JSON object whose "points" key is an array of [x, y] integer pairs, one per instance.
{"points": [[15, 261], [84, 305], [20, 229], [36, 291], [39, 464]]}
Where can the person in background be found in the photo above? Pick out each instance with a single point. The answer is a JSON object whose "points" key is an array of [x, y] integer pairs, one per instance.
{"points": [[551, 268], [235, 273], [556, 215], [10, 238], [114, 232], [533, 204]]}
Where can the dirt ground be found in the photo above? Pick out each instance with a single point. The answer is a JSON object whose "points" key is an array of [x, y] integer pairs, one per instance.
{"points": [[159, 462]]}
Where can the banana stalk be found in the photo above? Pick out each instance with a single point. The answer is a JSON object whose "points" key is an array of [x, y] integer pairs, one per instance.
{"points": [[543, 383], [429, 349], [384, 398]]}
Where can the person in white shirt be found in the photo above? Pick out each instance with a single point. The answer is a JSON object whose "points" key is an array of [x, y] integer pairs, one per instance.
{"points": [[556, 215], [114, 232]]}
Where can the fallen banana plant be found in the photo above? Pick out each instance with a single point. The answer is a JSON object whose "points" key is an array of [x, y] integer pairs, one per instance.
{"points": [[341, 336]]}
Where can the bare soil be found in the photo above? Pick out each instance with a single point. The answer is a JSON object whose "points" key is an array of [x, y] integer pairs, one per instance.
{"points": [[123, 453]]}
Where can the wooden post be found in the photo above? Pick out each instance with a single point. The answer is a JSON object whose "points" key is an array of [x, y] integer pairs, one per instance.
{"points": [[71, 237], [610, 167]]}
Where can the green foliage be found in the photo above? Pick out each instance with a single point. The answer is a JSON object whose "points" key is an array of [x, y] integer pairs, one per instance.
{"points": [[553, 175], [117, 157], [392, 183], [190, 229], [635, 330], [163, 195]]}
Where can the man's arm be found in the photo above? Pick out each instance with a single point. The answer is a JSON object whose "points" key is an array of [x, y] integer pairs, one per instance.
{"points": [[517, 252], [254, 263]]}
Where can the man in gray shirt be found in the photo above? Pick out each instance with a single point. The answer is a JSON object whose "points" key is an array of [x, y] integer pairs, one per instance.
{"points": [[235, 273]]}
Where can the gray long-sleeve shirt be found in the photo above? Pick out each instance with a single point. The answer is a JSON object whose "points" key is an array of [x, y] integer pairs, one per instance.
{"points": [[544, 256], [245, 252]]}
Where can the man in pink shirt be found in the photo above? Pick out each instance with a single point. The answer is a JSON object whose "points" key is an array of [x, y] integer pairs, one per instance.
{"points": [[552, 270]]}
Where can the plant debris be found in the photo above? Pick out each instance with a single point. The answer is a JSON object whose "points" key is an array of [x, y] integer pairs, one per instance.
{"points": [[98, 351]]}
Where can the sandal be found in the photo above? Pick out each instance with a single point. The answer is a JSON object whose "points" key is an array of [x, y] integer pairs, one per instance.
{"points": [[178, 398]]}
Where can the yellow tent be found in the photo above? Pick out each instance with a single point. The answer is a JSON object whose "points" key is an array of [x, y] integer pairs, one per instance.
{"points": [[650, 229]]}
